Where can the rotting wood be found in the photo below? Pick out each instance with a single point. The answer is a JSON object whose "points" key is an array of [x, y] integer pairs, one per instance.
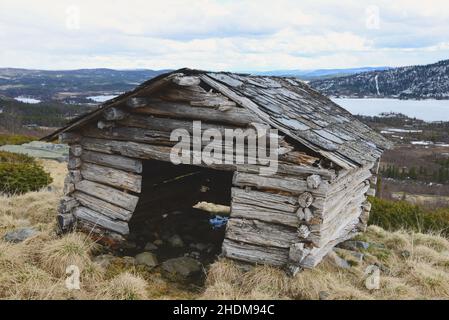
{"points": [[295, 186], [233, 115], [75, 150], [67, 204], [104, 207], [73, 163], [254, 254], [117, 197], [113, 114], [113, 177], [113, 161], [260, 233], [246, 211], [65, 221], [100, 220]]}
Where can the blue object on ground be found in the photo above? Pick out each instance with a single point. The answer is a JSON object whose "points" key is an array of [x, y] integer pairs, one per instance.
{"points": [[218, 221]]}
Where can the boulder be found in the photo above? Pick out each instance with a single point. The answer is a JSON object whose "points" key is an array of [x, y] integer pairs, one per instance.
{"points": [[175, 241], [183, 267], [354, 245], [20, 235], [338, 261], [104, 260], [150, 247], [147, 258]]}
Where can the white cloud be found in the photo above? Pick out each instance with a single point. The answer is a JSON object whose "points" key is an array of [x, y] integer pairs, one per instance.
{"points": [[220, 34]]}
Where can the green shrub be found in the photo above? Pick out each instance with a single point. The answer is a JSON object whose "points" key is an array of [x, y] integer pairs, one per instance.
{"points": [[14, 139], [395, 215], [12, 157], [22, 177]]}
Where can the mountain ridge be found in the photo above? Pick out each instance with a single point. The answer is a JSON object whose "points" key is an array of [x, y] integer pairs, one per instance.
{"points": [[429, 81]]}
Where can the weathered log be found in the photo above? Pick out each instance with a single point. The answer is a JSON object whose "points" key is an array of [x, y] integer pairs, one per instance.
{"points": [[73, 163], [295, 186], [75, 150], [245, 211], [113, 177], [260, 233], [113, 114], [96, 218], [305, 199], [65, 221], [67, 204], [69, 137], [113, 161], [313, 181], [102, 125], [186, 81], [104, 207], [255, 254], [265, 199], [114, 196], [233, 115]]}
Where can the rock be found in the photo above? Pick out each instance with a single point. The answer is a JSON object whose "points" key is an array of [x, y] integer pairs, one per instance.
{"points": [[20, 235], [158, 242], [354, 245], [183, 267], [199, 246], [104, 260], [128, 245], [175, 241], [129, 261], [338, 261], [323, 295], [358, 256], [150, 247], [147, 258]]}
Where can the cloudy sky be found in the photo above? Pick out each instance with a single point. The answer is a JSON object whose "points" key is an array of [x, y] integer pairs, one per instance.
{"points": [[222, 34]]}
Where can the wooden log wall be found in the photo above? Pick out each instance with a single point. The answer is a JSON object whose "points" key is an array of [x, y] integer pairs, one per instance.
{"points": [[290, 219], [295, 217]]}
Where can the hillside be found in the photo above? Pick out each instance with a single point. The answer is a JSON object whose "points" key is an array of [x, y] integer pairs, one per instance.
{"points": [[412, 265], [414, 82], [308, 75], [71, 86]]}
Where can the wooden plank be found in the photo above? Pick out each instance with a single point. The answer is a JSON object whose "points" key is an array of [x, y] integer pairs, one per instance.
{"points": [[168, 125], [114, 196], [114, 113], [69, 137], [233, 115], [129, 149], [104, 207], [113, 177], [265, 199], [255, 254], [246, 211], [186, 81], [113, 161], [292, 185], [260, 233], [98, 219]]}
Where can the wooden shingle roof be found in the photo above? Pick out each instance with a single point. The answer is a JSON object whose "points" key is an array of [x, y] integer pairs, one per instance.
{"points": [[288, 105]]}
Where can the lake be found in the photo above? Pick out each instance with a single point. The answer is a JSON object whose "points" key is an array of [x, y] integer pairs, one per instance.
{"points": [[427, 110]]}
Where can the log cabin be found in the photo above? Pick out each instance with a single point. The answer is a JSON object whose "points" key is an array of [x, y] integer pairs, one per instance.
{"points": [[120, 168]]}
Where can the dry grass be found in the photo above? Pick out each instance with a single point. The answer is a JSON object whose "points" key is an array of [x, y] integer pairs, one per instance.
{"points": [[414, 266]]}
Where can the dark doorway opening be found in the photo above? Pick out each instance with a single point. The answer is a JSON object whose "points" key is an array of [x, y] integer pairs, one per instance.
{"points": [[182, 211]]}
